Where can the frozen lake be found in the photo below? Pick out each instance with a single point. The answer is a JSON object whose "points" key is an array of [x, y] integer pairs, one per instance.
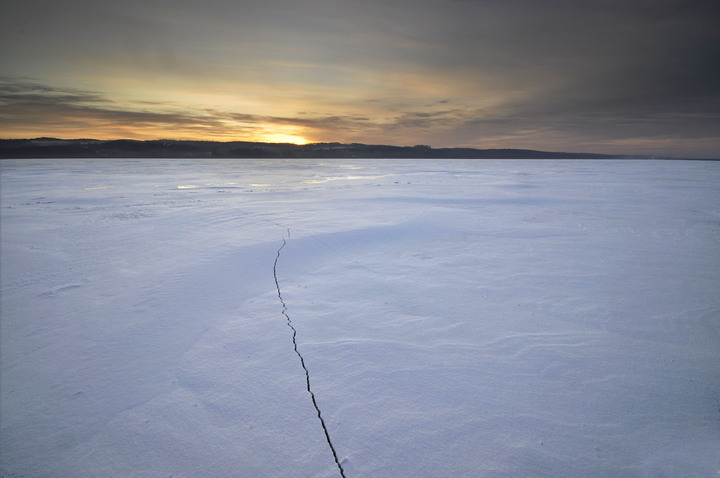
{"points": [[456, 318]]}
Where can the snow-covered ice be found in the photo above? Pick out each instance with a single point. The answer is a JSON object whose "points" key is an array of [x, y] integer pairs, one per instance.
{"points": [[457, 318]]}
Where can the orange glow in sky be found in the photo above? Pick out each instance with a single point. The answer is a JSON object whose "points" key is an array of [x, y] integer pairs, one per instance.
{"points": [[608, 79], [281, 138]]}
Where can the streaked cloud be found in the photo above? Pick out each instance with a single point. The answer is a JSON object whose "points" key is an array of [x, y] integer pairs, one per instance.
{"points": [[24, 102], [611, 76]]}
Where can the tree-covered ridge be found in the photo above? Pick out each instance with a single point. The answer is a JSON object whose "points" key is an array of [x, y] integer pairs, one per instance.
{"points": [[124, 148]]}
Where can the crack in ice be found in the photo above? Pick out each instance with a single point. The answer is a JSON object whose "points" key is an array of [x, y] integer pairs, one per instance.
{"points": [[302, 360]]}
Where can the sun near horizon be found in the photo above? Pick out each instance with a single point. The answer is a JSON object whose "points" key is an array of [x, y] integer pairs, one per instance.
{"points": [[281, 138], [266, 135]]}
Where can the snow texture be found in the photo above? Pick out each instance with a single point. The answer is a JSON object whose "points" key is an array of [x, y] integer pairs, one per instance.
{"points": [[455, 318]]}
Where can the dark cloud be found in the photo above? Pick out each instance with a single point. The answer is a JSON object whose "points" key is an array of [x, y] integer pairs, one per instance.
{"points": [[33, 108], [30, 102], [455, 71], [27, 101]]}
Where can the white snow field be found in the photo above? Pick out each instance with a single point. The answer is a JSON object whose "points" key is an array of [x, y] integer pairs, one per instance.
{"points": [[456, 318]]}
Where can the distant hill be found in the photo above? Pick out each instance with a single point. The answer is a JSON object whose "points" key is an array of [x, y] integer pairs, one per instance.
{"points": [[124, 148]]}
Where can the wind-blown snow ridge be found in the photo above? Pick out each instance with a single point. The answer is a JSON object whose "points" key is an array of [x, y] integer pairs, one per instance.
{"points": [[302, 360]]}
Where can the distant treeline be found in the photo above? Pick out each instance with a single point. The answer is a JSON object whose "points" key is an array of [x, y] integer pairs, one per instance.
{"points": [[124, 148]]}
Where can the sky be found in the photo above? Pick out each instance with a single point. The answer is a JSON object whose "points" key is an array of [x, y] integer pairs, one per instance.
{"points": [[612, 76]]}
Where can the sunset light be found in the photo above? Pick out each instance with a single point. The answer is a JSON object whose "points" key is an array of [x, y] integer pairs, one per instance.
{"points": [[268, 133], [619, 78], [359, 238], [281, 138]]}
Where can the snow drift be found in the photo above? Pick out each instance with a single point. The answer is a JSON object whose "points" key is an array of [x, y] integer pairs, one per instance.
{"points": [[456, 318]]}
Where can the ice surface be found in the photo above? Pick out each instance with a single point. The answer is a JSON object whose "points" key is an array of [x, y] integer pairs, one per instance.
{"points": [[457, 318]]}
